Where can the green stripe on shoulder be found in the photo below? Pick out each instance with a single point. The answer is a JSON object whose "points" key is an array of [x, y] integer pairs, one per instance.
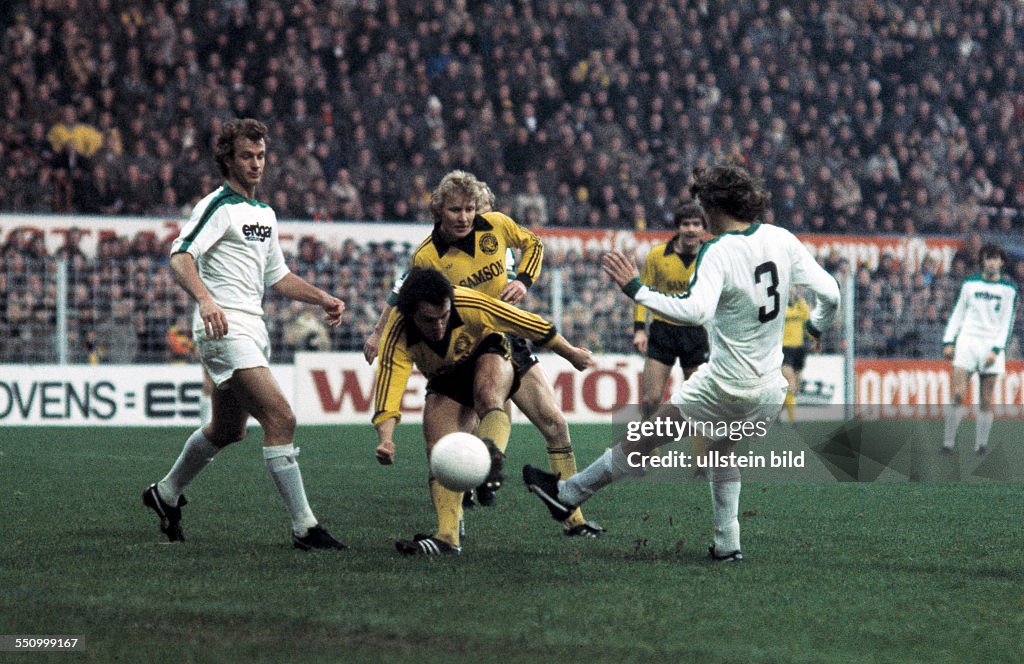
{"points": [[225, 197]]}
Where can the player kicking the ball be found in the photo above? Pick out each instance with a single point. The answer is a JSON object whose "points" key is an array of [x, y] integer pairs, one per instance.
{"points": [[975, 339], [739, 289], [457, 338], [226, 256]]}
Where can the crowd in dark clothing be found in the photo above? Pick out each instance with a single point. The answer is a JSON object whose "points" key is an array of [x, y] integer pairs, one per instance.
{"points": [[867, 116], [123, 304]]}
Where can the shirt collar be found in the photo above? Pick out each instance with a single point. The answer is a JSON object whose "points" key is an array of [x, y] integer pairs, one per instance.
{"points": [[467, 244], [670, 251]]}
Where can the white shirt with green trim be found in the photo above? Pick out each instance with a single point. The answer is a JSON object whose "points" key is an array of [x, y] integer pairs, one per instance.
{"points": [[739, 290], [983, 312], [234, 241]]}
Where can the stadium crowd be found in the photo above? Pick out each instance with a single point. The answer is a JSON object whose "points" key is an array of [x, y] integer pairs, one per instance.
{"points": [[123, 305], [862, 117], [868, 116]]}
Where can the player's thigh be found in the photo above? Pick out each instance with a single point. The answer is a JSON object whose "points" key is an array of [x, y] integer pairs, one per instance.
{"points": [[986, 388], [229, 417], [492, 381], [535, 396], [654, 379], [258, 391], [443, 415], [790, 375], [960, 378]]}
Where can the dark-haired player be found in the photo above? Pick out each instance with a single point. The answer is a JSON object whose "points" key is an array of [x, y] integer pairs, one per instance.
{"points": [[739, 290], [975, 339], [668, 269], [469, 247], [457, 339]]}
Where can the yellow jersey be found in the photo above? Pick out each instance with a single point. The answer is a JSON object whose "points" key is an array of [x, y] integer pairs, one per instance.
{"points": [[477, 261], [667, 272], [797, 315], [474, 317]]}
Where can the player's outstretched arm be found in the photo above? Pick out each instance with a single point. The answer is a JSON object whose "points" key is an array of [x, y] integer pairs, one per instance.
{"points": [[696, 307], [372, 344], [580, 358], [297, 288], [183, 266]]}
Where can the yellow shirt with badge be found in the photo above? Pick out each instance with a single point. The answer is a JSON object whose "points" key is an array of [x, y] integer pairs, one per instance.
{"points": [[474, 317], [477, 261], [667, 272]]}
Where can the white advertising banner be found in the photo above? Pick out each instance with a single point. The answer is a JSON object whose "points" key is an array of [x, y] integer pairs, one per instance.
{"points": [[327, 388], [106, 394], [337, 388]]}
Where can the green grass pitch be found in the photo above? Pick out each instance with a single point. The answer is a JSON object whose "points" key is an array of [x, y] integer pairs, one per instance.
{"points": [[835, 572]]}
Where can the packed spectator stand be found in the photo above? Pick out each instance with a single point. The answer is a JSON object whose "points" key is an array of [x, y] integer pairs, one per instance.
{"points": [[866, 117]]}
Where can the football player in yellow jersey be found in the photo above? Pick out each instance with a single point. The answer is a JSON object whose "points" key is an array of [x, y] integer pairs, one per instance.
{"points": [[469, 248], [794, 353], [457, 338], [668, 269]]}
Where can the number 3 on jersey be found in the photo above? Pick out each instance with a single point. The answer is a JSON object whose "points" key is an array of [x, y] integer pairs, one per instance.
{"points": [[764, 314]]}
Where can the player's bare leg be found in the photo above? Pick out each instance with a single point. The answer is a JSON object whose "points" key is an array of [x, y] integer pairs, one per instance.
{"points": [[652, 386], [983, 422], [258, 393], [956, 410]]}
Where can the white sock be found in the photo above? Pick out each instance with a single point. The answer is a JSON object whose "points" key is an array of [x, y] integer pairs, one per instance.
{"points": [[196, 454], [983, 429], [607, 468], [954, 414], [285, 470], [725, 503], [205, 409]]}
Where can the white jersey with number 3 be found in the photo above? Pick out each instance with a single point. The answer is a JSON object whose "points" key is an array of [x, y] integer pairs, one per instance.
{"points": [[739, 290]]}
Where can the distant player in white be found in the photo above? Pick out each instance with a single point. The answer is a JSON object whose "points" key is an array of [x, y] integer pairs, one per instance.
{"points": [[739, 292], [225, 257], [975, 339]]}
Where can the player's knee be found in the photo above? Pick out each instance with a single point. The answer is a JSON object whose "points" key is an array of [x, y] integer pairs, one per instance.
{"points": [[649, 402], [222, 437], [486, 398], [280, 423]]}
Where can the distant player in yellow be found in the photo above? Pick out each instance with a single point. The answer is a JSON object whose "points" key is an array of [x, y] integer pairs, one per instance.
{"points": [[668, 269], [794, 351], [457, 338], [470, 248]]}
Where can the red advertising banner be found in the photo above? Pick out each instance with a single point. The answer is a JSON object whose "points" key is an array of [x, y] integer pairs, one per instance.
{"points": [[921, 388], [864, 250]]}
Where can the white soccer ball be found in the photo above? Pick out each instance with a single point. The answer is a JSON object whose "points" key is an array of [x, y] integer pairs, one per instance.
{"points": [[460, 461]]}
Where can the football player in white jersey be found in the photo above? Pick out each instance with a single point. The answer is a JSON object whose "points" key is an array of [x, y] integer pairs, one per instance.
{"points": [[975, 339], [225, 257], [738, 291]]}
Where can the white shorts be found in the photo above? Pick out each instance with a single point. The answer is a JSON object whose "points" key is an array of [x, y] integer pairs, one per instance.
{"points": [[969, 354], [246, 345], [723, 409]]}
